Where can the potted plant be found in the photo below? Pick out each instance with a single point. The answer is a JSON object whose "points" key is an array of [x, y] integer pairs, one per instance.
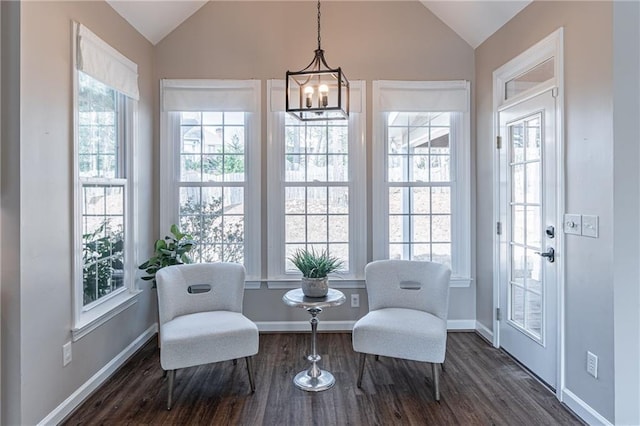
{"points": [[315, 268], [172, 250]]}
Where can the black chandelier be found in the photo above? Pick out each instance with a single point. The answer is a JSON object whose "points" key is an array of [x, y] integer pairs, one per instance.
{"points": [[317, 92]]}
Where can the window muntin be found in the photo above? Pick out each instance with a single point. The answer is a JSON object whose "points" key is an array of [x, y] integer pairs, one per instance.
{"points": [[421, 173], [212, 182], [210, 168], [316, 189], [419, 186], [101, 148]]}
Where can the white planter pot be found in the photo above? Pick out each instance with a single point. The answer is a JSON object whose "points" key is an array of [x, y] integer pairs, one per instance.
{"points": [[315, 287]]}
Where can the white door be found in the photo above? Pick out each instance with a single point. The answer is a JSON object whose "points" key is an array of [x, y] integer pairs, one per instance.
{"points": [[528, 277]]}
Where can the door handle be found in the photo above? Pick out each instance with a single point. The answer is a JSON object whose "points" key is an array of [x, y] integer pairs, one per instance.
{"points": [[550, 254]]}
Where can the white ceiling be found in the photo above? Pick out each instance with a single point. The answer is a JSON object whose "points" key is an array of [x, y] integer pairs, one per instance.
{"points": [[473, 20], [155, 19]]}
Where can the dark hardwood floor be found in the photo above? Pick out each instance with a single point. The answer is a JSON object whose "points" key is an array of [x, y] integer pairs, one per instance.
{"points": [[480, 386]]}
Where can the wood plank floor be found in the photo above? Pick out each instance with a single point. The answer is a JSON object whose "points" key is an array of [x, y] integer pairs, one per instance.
{"points": [[480, 386]]}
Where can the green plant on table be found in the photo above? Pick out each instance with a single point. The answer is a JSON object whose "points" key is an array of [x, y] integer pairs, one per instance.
{"points": [[315, 265]]}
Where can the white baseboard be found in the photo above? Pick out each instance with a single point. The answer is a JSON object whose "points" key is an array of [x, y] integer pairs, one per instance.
{"points": [[303, 326], [76, 398], [583, 410], [484, 332], [461, 325]]}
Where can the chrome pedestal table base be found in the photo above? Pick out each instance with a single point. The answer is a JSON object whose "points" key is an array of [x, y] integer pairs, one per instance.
{"points": [[314, 379]]}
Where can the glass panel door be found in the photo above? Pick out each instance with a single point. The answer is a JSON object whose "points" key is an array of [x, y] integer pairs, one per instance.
{"points": [[525, 289]]}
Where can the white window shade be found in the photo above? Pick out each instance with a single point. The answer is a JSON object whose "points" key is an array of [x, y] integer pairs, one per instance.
{"points": [[277, 103], [434, 96], [102, 62], [210, 95]]}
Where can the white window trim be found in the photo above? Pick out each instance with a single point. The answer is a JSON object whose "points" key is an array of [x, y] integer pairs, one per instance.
{"points": [[169, 128], [88, 318], [277, 277], [460, 169]]}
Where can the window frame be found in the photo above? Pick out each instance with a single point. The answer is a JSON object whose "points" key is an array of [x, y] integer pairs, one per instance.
{"points": [[87, 318], [460, 170], [170, 157], [277, 276]]}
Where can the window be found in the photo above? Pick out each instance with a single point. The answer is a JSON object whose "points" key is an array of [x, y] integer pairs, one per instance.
{"points": [[101, 150], [104, 105], [421, 173], [316, 188], [211, 182]]}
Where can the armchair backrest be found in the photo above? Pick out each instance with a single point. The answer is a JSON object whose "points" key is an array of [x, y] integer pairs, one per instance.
{"points": [[408, 284], [181, 289]]}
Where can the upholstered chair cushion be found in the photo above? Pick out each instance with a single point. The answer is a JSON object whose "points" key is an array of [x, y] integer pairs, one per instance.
{"points": [[401, 333], [206, 337]]}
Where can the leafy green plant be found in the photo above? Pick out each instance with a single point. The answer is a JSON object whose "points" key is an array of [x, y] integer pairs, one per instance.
{"points": [[315, 265], [172, 250]]}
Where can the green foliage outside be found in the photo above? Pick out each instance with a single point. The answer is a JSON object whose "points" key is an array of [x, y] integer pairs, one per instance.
{"points": [[103, 269], [204, 222], [231, 163]]}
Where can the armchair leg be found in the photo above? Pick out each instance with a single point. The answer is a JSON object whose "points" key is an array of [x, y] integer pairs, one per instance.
{"points": [[250, 371], [172, 376], [363, 356], [436, 381]]}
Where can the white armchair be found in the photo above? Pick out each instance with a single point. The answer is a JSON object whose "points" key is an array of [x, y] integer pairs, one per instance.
{"points": [[408, 307], [201, 320]]}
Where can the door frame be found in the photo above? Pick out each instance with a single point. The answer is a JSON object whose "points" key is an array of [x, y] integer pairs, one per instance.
{"points": [[549, 47]]}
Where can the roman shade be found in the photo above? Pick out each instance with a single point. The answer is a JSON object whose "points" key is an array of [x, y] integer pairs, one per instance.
{"points": [[210, 95], [433, 96], [104, 63]]}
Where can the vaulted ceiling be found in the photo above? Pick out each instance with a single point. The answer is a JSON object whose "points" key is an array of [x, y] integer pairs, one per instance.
{"points": [[473, 20]]}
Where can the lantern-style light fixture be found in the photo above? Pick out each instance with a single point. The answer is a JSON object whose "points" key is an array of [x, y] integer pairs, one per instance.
{"points": [[317, 92]]}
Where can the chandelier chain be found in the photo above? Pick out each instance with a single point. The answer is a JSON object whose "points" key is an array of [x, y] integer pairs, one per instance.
{"points": [[319, 25]]}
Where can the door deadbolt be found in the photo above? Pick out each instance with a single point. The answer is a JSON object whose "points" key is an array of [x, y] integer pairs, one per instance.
{"points": [[550, 231]]}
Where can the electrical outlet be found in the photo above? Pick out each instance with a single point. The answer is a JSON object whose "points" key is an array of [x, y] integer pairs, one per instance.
{"points": [[355, 300], [592, 364], [66, 354]]}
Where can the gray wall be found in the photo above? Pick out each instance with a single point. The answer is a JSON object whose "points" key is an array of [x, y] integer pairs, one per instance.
{"points": [[626, 206], [589, 179], [38, 199], [261, 40], [369, 40], [10, 206]]}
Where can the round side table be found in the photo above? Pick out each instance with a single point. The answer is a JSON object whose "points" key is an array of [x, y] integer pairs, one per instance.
{"points": [[313, 379]]}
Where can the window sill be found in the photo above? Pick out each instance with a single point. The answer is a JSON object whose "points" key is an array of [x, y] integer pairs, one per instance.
{"points": [[99, 315], [280, 284], [276, 284], [460, 282]]}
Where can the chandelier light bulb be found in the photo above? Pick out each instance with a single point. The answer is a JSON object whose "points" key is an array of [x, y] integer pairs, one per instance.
{"points": [[308, 94], [323, 90]]}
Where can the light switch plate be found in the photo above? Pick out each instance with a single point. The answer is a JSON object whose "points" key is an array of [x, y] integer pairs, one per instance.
{"points": [[590, 226], [572, 224]]}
